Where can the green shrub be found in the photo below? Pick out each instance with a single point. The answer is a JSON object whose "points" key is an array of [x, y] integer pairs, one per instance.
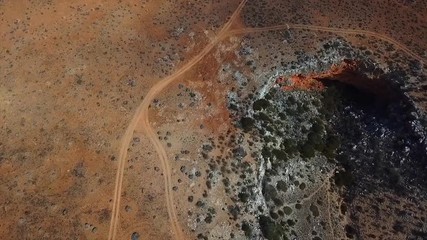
{"points": [[260, 104], [282, 186], [243, 196], [307, 150], [269, 192], [247, 123], [280, 155], [271, 230], [287, 210], [247, 229]]}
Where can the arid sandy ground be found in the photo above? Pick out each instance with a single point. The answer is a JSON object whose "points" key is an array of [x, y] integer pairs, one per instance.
{"points": [[73, 74]]}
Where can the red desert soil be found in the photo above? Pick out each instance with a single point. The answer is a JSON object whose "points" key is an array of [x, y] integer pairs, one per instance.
{"points": [[78, 79], [74, 73]]}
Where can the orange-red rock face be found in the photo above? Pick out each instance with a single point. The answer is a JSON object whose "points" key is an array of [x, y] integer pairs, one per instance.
{"points": [[347, 72]]}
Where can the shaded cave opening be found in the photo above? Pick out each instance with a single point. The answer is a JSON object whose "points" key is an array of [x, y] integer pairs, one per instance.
{"points": [[356, 117], [380, 148], [382, 140]]}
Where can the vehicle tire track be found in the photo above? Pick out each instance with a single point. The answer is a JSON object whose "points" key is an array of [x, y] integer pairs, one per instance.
{"points": [[383, 37], [142, 112]]}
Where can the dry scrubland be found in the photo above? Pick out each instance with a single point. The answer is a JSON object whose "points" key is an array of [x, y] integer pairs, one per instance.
{"points": [[243, 156]]}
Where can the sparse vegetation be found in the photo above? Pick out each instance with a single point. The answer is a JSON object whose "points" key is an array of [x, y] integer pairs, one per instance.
{"points": [[275, 163]]}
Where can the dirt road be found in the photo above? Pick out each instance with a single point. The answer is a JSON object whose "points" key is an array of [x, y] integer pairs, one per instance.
{"points": [[141, 115], [388, 39]]}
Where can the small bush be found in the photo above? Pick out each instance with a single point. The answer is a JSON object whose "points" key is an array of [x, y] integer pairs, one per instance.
{"points": [[260, 104], [247, 123], [247, 229], [270, 230]]}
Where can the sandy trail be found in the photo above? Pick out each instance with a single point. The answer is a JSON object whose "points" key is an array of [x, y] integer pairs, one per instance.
{"points": [[333, 30], [142, 112], [141, 115]]}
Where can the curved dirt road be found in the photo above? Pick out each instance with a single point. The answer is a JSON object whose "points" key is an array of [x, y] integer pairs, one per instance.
{"points": [[333, 30], [142, 112]]}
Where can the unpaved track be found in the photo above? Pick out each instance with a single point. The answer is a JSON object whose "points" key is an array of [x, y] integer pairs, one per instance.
{"points": [[141, 114], [332, 30]]}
